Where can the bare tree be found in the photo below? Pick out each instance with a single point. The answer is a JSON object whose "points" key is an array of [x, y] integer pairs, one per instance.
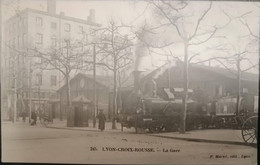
{"points": [[14, 73], [65, 58], [114, 45], [237, 54], [190, 28]]}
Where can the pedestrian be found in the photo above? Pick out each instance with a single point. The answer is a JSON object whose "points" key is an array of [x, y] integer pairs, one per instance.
{"points": [[34, 118], [213, 107], [24, 116], [101, 120]]}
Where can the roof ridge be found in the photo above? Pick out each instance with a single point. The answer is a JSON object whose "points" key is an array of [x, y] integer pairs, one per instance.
{"points": [[56, 15]]}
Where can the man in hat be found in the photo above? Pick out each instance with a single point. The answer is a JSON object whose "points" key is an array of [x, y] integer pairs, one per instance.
{"points": [[101, 120]]}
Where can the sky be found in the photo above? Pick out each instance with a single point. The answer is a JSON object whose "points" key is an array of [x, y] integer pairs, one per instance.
{"points": [[137, 12]]}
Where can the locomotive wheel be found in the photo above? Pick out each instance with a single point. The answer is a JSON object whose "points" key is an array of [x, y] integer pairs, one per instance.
{"points": [[44, 122], [171, 128], [156, 128], [250, 130]]}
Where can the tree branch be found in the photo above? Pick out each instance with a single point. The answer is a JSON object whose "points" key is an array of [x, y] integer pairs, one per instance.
{"points": [[199, 21]]}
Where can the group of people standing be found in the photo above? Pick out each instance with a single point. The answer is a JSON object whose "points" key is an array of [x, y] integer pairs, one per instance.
{"points": [[33, 118], [101, 119]]}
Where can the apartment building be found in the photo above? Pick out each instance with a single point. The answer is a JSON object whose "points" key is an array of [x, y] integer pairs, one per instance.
{"points": [[24, 82]]}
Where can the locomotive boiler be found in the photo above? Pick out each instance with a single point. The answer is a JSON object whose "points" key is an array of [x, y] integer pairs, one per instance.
{"points": [[161, 112]]}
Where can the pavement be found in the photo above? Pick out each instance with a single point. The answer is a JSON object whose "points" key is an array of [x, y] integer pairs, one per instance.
{"points": [[108, 126], [222, 136]]}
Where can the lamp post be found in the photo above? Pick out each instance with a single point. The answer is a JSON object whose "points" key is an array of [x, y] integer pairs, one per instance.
{"points": [[94, 84], [30, 91], [39, 97], [95, 90]]}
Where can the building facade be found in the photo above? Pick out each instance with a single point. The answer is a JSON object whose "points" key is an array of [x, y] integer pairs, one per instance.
{"points": [[26, 86]]}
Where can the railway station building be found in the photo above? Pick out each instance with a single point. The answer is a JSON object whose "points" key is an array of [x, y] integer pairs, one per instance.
{"points": [[207, 85], [82, 97]]}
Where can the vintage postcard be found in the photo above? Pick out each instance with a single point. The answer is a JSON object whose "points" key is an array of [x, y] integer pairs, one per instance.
{"points": [[129, 82]]}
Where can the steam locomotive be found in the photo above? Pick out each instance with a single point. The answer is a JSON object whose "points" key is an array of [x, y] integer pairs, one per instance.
{"points": [[162, 112], [156, 106]]}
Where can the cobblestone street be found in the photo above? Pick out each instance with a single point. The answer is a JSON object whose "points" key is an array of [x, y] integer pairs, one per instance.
{"points": [[24, 143]]}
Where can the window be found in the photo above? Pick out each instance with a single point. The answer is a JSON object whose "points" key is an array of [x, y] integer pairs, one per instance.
{"points": [[67, 27], [53, 80], [80, 29], [38, 79], [24, 39], [18, 40], [24, 22], [53, 25], [42, 94], [86, 38], [256, 104], [39, 38], [26, 94], [14, 27], [20, 23], [35, 94], [13, 42], [39, 21], [245, 90], [51, 96], [53, 42], [219, 90], [9, 29], [81, 46]]}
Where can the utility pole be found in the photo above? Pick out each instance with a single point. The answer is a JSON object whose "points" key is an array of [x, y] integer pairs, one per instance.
{"points": [[39, 95], [94, 84], [15, 94], [30, 91], [115, 93], [1, 71], [115, 82], [15, 99], [238, 84], [70, 112], [15, 87], [238, 77], [168, 72]]}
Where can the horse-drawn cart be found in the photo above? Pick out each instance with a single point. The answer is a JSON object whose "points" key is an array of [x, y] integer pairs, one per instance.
{"points": [[250, 130]]}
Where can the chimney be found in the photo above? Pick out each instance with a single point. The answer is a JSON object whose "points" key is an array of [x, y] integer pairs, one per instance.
{"points": [[51, 6], [62, 13], [91, 17]]}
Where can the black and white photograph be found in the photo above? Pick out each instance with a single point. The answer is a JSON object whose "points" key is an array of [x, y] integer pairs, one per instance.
{"points": [[129, 81]]}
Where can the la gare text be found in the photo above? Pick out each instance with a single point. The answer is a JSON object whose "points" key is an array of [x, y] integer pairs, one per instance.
{"points": [[130, 149]]}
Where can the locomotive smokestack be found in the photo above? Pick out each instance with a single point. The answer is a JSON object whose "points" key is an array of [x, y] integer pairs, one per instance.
{"points": [[141, 51], [136, 75]]}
